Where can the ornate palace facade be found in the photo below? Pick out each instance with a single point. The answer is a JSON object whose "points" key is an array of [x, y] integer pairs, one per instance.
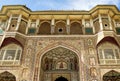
{"points": [[59, 45]]}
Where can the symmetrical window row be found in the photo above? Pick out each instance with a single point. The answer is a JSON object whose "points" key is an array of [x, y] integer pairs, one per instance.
{"points": [[45, 27]]}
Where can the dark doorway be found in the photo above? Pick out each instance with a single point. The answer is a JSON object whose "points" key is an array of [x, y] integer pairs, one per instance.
{"points": [[6, 76], [61, 79]]}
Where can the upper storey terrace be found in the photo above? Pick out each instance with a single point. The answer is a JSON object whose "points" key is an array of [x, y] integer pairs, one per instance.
{"points": [[20, 19]]}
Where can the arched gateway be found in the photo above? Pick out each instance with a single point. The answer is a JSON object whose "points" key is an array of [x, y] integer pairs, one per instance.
{"points": [[6, 76], [58, 62], [111, 76], [61, 79]]}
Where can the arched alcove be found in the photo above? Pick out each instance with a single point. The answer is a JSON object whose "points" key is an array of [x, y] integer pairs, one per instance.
{"points": [[111, 76], [96, 25], [60, 28], [57, 61], [22, 27], [62, 57], [108, 51], [61, 79], [6, 76], [45, 28], [10, 52], [76, 28], [10, 40]]}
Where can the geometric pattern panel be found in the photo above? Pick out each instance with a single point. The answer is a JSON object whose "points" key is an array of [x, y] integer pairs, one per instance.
{"points": [[6, 76]]}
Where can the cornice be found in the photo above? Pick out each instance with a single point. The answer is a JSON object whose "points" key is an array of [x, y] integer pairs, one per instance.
{"points": [[5, 9]]}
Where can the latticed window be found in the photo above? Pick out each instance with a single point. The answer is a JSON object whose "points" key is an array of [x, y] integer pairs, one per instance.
{"points": [[117, 26], [10, 55], [108, 53]]}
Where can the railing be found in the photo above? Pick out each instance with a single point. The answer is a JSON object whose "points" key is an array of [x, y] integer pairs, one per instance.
{"points": [[110, 61], [9, 63]]}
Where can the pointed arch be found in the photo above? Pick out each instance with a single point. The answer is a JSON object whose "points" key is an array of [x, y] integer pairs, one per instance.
{"points": [[108, 51], [10, 52], [45, 28], [50, 47], [61, 79], [111, 76], [96, 25], [60, 27], [108, 39], [60, 21], [10, 40], [22, 27], [7, 76], [75, 21], [76, 28], [58, 44]]}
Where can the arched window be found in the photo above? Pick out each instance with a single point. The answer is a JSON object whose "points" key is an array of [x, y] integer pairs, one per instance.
{"points": [[45, 28], [10, 54], [76, 28], [22, 27], [13, 24], [60, 28], [108, 53], [96, 25]]}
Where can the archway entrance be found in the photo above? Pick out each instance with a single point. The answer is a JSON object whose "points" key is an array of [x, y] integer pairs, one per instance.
{"points": [[111, 76], [6, 76], [61, 79], [59, 61]]}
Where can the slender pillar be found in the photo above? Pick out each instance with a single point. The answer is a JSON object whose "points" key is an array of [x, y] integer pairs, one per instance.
{"points": [[28, 25], [37, 25], [1, 24], [100, 21], [53, 26], [18, 21], [6, 23], [83, 23], [9, 21], [91, 22], [68, 25], [110, 22], [114, 25]]}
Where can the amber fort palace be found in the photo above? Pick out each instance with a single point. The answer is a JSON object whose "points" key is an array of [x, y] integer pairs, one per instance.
{"points": [[59, 45]]}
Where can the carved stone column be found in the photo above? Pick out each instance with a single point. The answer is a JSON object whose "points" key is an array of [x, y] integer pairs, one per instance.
{"points": [[68, 25], [91, 22], [110, 22], [100, 21], [68, 29], [83, 23], [18, 21], [52, 25], [28, 25], [37, 25], [52, 29], [9, 21]]}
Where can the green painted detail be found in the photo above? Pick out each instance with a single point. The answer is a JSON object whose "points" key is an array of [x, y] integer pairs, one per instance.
{"points": [[31, 31], [88, 30], [118, 30], [1, 31]]}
